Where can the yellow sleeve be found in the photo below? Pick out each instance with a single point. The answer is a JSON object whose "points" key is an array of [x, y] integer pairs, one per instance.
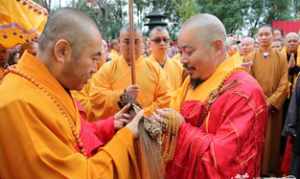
{"points": [[162, 92], [280, 94], [102, 100], [34, 146]]}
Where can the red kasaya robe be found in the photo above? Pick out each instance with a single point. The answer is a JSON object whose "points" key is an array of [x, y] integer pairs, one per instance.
{"points": [[94, 134], [226, 142]]}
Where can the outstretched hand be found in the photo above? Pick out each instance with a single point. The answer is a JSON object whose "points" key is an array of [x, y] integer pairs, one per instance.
{"points": [[122, 118], [133, 125]]}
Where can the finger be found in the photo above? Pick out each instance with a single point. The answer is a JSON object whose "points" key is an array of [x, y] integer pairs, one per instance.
{"points": [[125, 108], [162, 113], [126, 116], [124, 121], [157, 117], [138, 116]]}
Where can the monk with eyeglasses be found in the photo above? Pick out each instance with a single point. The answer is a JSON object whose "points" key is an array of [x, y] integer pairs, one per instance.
{"points": [[159, 44]]}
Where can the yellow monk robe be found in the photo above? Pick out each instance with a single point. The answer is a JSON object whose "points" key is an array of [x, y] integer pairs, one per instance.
{"points": [[177, 57], [20, 22], [114, 77], [173, 71], [37, 126], [1, 72], [272, 74], [298, 56], [185, 92], [293, 72], [114, 54]]}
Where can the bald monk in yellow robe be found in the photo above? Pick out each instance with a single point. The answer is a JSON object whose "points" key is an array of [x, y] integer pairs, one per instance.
{"points": [[270, 69], [114, 49], [39, 125], [292, 51], [113, 80], [159, 39], [246, 46]]}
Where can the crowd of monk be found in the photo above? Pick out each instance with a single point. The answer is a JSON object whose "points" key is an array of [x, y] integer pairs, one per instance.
{"points": [[235, 101]]}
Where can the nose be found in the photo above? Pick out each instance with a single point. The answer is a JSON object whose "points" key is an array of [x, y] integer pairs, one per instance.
{"points": [[184, 59], [94, 68]]}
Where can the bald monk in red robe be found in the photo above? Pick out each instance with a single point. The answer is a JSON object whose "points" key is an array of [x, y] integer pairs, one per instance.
{"points": [[223, 107]]}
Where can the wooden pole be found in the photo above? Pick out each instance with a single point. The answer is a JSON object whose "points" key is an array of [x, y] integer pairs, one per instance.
{"points": [[131, 41]]}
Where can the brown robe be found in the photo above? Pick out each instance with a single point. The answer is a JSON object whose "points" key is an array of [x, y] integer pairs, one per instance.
{"points": [[272, 74]]}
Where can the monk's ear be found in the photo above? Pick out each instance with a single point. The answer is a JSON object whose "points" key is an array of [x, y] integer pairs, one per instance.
{"points": [[62, 50], [218, 46]]}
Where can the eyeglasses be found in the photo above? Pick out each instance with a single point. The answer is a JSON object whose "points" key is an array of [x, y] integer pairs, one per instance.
{"points": [[158, 40]]}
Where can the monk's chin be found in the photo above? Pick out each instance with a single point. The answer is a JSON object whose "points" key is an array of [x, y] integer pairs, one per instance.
{"points": [[196, 82]]}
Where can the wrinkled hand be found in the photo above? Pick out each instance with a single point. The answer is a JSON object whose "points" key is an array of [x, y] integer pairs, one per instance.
{"points": [[122, 118], [162, 114], [133, 125], [133, 91]]}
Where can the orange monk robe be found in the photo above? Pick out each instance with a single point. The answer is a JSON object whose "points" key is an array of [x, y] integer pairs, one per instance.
{"points": [[107, 85], [293, 72], [272, 74], [223, 140], [284, 51], [1, 72], [173, 71], [177, 57], [114, 54], [36, 133]]}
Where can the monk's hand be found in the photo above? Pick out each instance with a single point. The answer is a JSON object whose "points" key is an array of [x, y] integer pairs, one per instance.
{"points": [[162, 114], [133, 125], [122, 117], [133, 91], [292, 63]]}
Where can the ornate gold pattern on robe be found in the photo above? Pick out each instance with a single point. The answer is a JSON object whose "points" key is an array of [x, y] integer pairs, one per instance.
{"points": [[21, 21]]}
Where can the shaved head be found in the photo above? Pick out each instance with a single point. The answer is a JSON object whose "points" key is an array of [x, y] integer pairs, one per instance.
{"points": [[126, 29], [247, 40], [246, 45], [292, 42], [71, 47], [202, 43], [69, 24], [125, 43], [209, 27], [158, 29], [292, 35]]}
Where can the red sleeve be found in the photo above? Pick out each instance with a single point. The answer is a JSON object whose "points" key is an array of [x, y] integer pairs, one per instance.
{"points": [[233, 147], [104, 129]]}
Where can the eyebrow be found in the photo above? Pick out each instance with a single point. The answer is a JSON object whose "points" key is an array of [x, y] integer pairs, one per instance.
{"points": [[185, 46], [97, 54]]}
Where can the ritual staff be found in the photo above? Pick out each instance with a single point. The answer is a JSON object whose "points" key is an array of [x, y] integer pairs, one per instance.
{"points": [[113, 82]]}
